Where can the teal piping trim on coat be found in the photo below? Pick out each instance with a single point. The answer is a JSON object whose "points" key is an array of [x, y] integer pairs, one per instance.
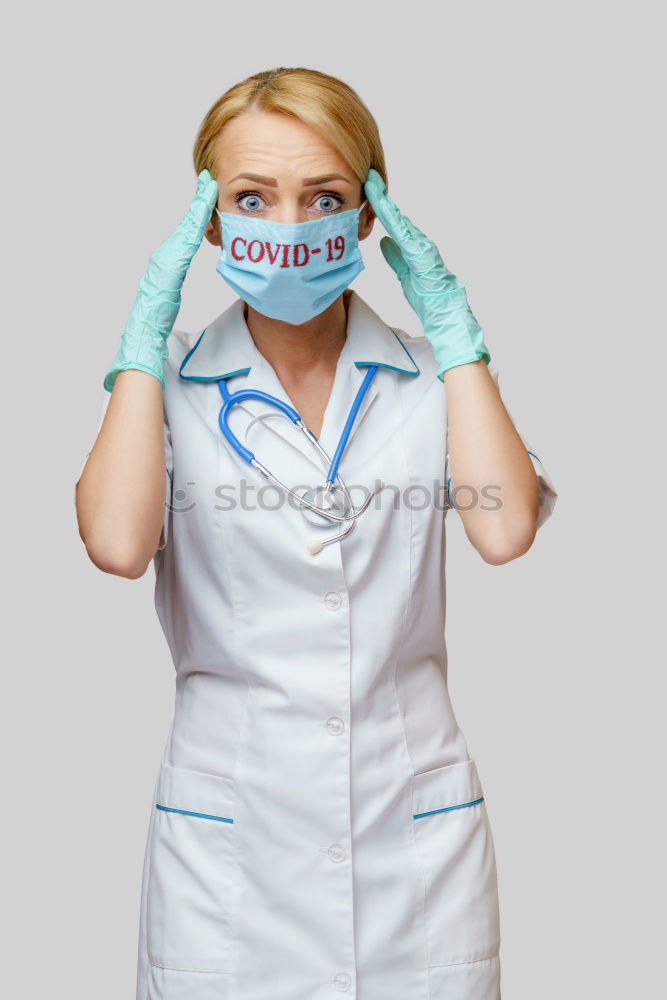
{"points": [[463, 805], [403, 371], [187, 812], [205, 378]]}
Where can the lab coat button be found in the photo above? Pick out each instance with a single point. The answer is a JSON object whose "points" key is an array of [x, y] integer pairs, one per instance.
{"points": [[336, 852], [333, 600], [342, 981], [335, 725]]}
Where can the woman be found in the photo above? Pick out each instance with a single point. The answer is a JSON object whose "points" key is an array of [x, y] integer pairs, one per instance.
{"points": [[318, 825]]}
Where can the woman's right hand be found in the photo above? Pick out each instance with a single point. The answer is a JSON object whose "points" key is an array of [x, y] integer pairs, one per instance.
{"points": [[143, 343]]}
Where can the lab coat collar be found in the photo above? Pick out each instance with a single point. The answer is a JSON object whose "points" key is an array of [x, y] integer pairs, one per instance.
{"points": [[226, 347]]}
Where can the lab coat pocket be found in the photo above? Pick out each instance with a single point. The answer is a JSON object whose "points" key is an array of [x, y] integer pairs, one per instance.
{"points": [[192, 871], [455, 844]]}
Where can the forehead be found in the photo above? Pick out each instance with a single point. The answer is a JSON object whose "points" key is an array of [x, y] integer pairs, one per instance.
{"points": [[276, 145]]}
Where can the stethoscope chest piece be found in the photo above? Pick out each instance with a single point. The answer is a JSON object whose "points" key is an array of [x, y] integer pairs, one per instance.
{"points": [[330, 499]]}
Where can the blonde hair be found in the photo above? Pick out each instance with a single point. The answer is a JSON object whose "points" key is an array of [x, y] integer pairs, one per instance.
{"points": [[325, 103]]}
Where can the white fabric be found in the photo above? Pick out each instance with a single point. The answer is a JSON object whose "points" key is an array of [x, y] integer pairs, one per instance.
{"points": [[321, 827]]}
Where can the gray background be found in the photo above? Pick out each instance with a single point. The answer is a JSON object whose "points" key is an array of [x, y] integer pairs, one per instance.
{"points": [[524, 138]]}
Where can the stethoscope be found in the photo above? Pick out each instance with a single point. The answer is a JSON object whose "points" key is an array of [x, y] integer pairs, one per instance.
{"points": [[320, 504]]}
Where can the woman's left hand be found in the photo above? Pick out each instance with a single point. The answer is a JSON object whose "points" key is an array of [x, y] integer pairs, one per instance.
{"points": [[435, 294]]}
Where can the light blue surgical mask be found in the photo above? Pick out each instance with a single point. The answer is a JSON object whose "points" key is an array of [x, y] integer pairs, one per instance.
{"points": [[290, 271]]}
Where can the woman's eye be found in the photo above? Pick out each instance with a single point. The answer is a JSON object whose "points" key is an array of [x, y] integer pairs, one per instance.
{"points": [[252, 202], [328, 202], [249, 202]]}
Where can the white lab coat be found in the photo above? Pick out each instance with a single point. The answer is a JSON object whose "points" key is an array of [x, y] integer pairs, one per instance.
{"points": [[318, 825]]}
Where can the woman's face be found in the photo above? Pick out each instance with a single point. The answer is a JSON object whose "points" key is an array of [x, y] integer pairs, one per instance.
{"points": [[276, 167]]}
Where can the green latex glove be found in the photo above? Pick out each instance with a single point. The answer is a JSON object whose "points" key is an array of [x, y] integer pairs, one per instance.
{"points": [[143, 343], [435, 294]]}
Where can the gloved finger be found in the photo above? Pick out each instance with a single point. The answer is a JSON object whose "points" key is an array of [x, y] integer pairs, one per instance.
{"points": [[170, 261], [203, 179], [198, 215], [412, 241], [393, 256], [383, 206], [206, 194]]}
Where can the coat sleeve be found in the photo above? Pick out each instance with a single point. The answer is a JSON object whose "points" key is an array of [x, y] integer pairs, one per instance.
{"points": [[548, 492], [168, 463], [168, 483]]}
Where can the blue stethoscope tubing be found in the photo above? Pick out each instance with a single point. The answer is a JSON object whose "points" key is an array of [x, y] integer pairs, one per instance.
{"points": [[230, 399]]}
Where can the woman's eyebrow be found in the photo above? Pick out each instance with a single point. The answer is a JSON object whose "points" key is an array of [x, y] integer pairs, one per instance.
{"points": [[270, 181], [311, 181], [307, 182]]}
